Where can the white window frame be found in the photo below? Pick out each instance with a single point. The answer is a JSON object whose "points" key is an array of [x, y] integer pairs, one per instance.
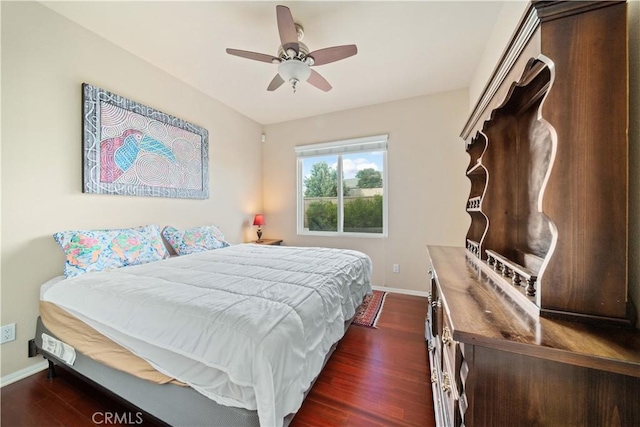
{"points": [[350, 146]]}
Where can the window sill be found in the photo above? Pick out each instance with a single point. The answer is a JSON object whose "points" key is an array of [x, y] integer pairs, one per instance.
{"points": [[336, 234]]}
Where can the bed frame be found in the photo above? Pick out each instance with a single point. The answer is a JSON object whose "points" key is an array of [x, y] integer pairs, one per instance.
{"points": [[168, 404]]}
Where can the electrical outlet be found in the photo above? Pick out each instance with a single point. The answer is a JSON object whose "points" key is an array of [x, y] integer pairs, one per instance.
{"points": [[7, 333], [396, 268]]}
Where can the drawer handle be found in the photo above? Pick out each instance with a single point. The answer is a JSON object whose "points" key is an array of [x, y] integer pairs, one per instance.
{"points": [[431, 273], [437, 303], [446, 336], [434, 378], [429, 297], [446, 384]]}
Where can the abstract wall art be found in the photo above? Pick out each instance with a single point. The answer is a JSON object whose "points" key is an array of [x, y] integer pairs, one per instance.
{"points": [[135, 150]]}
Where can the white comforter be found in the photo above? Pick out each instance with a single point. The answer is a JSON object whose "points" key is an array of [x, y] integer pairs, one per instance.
{"points": [[247, 326]]}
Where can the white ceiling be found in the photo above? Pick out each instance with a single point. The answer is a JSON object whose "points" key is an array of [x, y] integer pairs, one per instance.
{"points": [[405, 49]]}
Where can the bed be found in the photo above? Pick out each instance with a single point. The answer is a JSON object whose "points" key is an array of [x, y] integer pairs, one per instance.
{"points": [[232, 336]]}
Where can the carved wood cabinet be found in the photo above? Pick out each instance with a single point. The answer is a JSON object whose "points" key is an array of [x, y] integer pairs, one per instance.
{"points": [[493, 365], [530, 323]]}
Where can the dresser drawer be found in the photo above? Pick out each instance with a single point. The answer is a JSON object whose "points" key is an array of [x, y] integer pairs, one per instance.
{"points": [[450, 394], [450, 347], [436, 390]]}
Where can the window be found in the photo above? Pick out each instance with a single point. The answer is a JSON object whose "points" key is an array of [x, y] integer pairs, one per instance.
{"points": [[342, 187]]}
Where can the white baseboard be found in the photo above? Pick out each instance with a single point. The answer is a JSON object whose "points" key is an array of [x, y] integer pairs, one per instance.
{"points": [[23, 373], [400, 291]]}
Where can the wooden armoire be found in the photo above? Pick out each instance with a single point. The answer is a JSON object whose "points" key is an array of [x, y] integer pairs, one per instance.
{"points": [[530, 323]]}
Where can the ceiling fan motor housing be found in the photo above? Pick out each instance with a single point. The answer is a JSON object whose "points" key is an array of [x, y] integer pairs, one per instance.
{"points": [[303, 51]]}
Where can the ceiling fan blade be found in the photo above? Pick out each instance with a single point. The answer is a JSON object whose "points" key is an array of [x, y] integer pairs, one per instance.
{"points": [[318, 81], [287, 29], [262, 57], [332, 54], [275, 83]]}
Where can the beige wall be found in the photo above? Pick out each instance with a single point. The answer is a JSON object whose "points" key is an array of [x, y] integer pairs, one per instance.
{"points": [[45, 59], [427, 186]]}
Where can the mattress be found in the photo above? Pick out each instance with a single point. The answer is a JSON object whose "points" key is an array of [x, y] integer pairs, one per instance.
{"points": [[247, 326], [96, 346]]}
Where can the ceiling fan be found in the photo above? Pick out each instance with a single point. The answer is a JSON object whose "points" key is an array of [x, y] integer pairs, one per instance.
{"points": [[294, 59]]}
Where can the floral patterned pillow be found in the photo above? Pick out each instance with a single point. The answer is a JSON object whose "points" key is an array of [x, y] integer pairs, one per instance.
{"points": [[96, 250], [195, 239]]}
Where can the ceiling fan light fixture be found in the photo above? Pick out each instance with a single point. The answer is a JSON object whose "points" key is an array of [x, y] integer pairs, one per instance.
{"points": [[293, 58], [294, 71]]}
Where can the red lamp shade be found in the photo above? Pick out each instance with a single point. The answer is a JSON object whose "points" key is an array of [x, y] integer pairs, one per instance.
{"points": [[258, 220]]}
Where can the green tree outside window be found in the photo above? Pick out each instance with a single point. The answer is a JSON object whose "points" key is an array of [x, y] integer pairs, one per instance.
{"points": [[322, 182], [369, 178]]}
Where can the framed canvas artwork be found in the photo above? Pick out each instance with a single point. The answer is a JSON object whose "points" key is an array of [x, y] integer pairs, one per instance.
{"points": [[135, 150]]}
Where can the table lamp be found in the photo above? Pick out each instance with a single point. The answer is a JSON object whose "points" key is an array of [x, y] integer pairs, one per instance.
{"points": [[259, 221]]}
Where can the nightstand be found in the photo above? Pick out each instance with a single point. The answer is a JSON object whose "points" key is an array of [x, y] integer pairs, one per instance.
{"points": [[272, 242]]}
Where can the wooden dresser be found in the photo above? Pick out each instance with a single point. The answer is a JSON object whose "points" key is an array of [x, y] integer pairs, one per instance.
{"points": [[493, 365], [530, 323]]}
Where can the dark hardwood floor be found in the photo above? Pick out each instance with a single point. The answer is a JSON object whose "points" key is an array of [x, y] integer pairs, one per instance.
{"points": [[376, 377]]}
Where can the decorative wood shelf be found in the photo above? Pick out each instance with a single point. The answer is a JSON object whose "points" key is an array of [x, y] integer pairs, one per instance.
{"points": [[474, 248], [515, 271], [474, 203], [476, 169]]}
